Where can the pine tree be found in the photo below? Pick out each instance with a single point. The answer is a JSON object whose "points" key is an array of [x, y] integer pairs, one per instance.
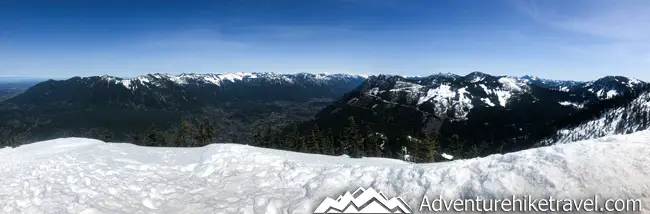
{"points": [[427, 150], [645, 120], [456, 146], [204, 134], [210, 132], [261, 137], [372, 146], [474, 151], [387, 149], [327, 144], [352, 139], [403, 152], [273, 138], [341, 145], [302, 145], [182, 135], [292, 141], [154, 138], [106, 135], [500, 148], [315, 140], [137, 138]]}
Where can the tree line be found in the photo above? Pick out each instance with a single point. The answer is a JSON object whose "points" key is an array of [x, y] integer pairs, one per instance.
{"points": [[354, 141], [357, 142]]}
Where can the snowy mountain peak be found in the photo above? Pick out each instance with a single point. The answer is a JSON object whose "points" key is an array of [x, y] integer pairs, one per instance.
{"points": [[529, 77], [158, 79], [617, 80], [446, 95], [476, 76]]}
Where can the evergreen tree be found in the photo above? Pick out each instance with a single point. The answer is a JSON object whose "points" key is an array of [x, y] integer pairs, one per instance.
{"points": [[292, 141], [106, 135], [455, 146], [474, 151], [273, 138], [261, 137], [427, 150], [352, 139], [387, 149], [204, 134], [314, 140], [403, 152], [137, 138], [154, 138], [327, 145], [645, 120], [500, 148], [302, 144], [341, 145], [183, 134], [372, 146]]}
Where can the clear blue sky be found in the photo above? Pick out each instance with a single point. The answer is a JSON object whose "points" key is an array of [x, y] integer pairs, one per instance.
{"points": [[576, 39]]}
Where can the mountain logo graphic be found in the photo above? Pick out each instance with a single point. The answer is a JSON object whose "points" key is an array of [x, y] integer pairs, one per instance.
{"points": [[363, 201]]}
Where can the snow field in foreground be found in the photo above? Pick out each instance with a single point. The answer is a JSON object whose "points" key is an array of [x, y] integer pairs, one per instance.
{"points": [[75, 175]]}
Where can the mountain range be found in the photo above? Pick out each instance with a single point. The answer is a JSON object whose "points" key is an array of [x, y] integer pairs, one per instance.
{"points": [[236, 102], [471, 115], [485, 114], [629, 118]]}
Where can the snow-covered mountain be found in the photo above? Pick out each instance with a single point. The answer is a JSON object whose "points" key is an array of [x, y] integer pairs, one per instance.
{"points": [[237, 101], [492, 113], [604, 88], [632, 117], [77, 175], [453, 96], [162, 80], [185, 90], [446, 95]]}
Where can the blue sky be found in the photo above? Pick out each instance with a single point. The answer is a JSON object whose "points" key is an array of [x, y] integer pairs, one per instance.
{"points": [[577, 39]]}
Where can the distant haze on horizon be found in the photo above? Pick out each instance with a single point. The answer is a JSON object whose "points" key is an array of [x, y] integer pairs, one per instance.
{"points": [[552, 39]]}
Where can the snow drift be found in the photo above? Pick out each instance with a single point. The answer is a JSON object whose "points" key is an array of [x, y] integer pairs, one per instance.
{"points": [[76, 175]]}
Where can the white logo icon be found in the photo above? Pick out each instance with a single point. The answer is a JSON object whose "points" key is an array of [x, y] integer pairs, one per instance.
{"points": [[363, 201]]}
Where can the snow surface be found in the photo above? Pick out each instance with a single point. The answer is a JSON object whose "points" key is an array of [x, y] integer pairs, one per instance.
{"points": [[75, 175], [447, 156]]}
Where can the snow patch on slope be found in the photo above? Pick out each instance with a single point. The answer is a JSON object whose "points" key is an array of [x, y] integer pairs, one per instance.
{"points": [[509, 87], [510, 84], [575, 105], [444, 98], [563, 89], [606, 94], [76, 175], [488, 102], [623, 120], [440, 93]]}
